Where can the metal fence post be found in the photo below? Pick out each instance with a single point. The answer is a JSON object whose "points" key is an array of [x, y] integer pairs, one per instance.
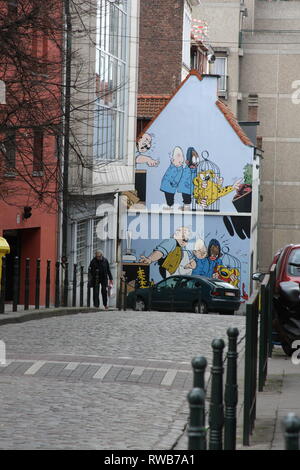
{"points": [[231, 391], [37, 284], [150, 298], [48, 281], [16, 284], [263, 338], [57, 284], [216, 411], [199, 365], [27, 284], [88, 297], [125, 295], [2, 286], [66, 284], [196, 428], [81, 287], [74, 285], [291, 424], [271, 288]]}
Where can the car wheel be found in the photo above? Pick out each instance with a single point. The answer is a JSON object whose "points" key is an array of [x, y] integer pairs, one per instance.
{"points": [[287, 349], [200, 307], [139, 305]]}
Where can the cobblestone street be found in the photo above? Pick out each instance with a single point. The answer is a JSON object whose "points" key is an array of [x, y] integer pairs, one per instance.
{"points": [[105, 380]]}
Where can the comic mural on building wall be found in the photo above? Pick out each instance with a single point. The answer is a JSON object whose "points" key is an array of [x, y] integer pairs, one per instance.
{"points": [[194, 188]]}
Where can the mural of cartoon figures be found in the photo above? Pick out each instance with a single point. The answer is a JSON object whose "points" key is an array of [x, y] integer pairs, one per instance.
{"points": [[204, 265], [229, 270], [169, 253], [208, 185], [143, 146], [172, 176], [199, 253], [186, 186]]}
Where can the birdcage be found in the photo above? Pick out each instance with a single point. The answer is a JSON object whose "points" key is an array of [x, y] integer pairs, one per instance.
{"points": [[229, 269], [206, 185]]}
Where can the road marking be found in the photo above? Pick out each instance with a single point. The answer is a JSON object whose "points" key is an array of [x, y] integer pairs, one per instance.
{"points": [[71, 366], [137, 371], [101, 373], [34, 368], [169, 377]]}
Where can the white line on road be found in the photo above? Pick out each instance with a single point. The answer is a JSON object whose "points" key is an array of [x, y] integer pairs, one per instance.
{"points": [[101, 373], [169, 377], [34, 368], [137, 371], [71, 366]]}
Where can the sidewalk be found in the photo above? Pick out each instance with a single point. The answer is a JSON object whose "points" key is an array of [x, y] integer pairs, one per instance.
{"points": [[27, 315], [281, 395]]}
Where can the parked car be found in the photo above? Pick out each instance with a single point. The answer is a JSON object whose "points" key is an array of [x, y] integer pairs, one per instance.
{"points": [[197, 294], [287, 262]]}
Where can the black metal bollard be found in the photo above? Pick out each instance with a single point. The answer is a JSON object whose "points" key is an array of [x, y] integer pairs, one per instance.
{"points": [[57, 284], [231, 391], [291, 425], [2, 286], [27, 284], [66, 284], [150, 291], [48, 281], [196, 428], [216, 411], [16, 284], [125, 295], [37, 283], [74, 285], [199, 365], [81, 287]]}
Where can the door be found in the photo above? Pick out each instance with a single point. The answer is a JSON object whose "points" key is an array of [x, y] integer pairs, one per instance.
{"points": [[187, 293], [13, 238], [163, 294]]}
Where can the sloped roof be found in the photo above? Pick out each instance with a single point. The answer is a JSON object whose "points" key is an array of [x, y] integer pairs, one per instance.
{"points": [[233, 122], [154, 104], [149, 105]]}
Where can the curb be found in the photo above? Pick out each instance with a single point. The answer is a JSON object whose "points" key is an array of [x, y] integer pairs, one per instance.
{"points": [[22, 317]]}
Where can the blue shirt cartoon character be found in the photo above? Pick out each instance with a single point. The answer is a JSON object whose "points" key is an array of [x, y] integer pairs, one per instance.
{"points": [[172, 176], [186, 186], [207, 265]]}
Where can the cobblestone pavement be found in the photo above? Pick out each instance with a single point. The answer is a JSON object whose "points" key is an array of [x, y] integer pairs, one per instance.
{"points": [[105, 380]]}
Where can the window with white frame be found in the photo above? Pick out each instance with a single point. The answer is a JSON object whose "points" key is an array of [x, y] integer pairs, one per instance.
{"points": [[220, 68], [82, 237], [106, 246], [187, 25], [111, 79]]}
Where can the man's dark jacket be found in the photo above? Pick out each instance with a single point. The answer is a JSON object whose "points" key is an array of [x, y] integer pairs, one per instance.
{"points": [[103, 273]]}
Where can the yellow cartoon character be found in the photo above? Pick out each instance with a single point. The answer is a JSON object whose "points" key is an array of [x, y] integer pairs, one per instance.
{"points": [[208, 188], [230, 275]]}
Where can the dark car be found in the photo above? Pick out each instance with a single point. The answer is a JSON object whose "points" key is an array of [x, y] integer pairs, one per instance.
{"points": [[287, 262], [197, 294]]}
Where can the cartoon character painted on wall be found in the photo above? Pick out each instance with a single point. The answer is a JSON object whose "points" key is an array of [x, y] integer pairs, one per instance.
{"points": [[169, 253], [143, 146], [205, 265], [171, 179], [208, 188], [189, 173], [227, 274]]}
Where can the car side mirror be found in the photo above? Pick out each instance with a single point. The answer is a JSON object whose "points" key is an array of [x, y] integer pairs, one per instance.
{"points": [[259, 277]]}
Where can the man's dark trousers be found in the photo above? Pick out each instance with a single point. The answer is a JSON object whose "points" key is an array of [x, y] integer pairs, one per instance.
{"points": [[103, 293]]}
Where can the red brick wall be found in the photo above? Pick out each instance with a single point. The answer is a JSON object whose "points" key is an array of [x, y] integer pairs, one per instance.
{"points": [[160, 53]]}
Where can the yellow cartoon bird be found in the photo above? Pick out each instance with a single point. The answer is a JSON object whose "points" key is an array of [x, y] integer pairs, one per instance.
{"points": [[232, 276], [208, 188]]}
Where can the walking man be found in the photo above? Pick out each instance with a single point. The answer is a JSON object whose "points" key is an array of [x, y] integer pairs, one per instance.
{"points": [[100, 273]]}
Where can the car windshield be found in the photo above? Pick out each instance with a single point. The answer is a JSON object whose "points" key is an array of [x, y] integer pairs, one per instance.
{"points": [[294, 263], [224, 284]]}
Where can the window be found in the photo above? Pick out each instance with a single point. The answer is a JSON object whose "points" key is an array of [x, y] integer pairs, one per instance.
{"points": [[82, 243], [8, 148], [169, 283], [220, 68], [38, 141], [294, 263], [186, 53], [111, 80], [104, 245]]}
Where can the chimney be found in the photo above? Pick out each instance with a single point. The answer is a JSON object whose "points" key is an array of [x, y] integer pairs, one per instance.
{"points": [[252, 107]]}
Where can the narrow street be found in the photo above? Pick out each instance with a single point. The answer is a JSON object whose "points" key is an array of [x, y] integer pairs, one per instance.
{"points": [[105, 380]]}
